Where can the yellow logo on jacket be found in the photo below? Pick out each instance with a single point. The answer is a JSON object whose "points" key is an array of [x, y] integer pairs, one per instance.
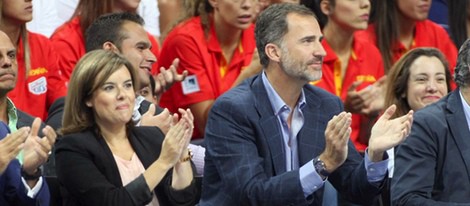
{"points": [[365, 78], [37, 71]]}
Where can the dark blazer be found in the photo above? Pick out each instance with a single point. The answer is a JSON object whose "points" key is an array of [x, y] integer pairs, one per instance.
{"points": [[12, 189], [432, 166], [89, 176], [245, 157]]}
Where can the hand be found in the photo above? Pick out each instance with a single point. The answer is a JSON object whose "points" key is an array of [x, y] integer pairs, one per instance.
{"points": [[337, 135], [36, 149], [189, 118], [368, 101], [167, 77], [175, 143], [164, 120], [11, 145], [388, 133]]}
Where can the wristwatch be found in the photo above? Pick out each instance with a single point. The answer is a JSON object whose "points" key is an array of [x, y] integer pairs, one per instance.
{"points": [[34, 176], [320, 167]]}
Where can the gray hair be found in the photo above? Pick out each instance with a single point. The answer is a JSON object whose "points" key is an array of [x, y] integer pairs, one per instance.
{"points": [[271, 26], [462, 73]]}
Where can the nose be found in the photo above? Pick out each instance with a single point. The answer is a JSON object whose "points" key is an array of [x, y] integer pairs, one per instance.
{"points": [[319, 51], [365, 3], [150, 57], [431, 86], [247, 4], [6, 62]]}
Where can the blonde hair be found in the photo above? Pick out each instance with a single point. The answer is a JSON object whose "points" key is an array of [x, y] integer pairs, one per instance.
{"points": [[90, 73]]}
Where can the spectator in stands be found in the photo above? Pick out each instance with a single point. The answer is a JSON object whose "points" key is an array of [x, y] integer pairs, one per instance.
{"points": [[215, 43], [39, 82], [102, 159], [401, 25]]}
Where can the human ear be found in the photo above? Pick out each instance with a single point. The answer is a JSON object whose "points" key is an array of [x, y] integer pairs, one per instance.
{"points": [[273, 52]]}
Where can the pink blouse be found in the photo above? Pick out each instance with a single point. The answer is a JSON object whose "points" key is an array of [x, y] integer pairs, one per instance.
{"points": [[131, 169]]}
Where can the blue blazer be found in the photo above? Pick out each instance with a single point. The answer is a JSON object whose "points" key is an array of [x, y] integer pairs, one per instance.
{"points": [[245, 157], [12, 189], [432, 166]]}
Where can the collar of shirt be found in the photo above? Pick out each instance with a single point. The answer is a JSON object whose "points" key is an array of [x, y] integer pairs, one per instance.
{"points": [[277, 103], [289, 134], [12, 115], [136, 114], [466, 109]]}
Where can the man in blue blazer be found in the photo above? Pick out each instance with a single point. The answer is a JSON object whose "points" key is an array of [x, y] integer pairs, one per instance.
{"points": [[20, 183], [275, 139], [432, 167]]}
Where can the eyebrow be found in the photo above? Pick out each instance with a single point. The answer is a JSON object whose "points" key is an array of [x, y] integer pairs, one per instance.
{"points": [[146, 44], [11, 51]]}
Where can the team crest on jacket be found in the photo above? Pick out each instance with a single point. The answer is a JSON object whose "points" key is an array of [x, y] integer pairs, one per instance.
{"points": [[38, 86]]}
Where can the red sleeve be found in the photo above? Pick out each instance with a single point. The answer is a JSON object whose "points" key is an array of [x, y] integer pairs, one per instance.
{"points": [[56, 86], [193, 55], [70, 47]]}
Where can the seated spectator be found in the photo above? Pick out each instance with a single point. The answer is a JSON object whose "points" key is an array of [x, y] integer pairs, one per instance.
{"points": [[352, 68], [275, 139], [39, 82], [102, 159], [399, 26], [215, 44], [23, 152], [69, 38], [431, 164], [419, 78]]}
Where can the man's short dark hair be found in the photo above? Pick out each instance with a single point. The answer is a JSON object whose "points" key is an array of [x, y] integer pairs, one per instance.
{"points": [[271, 26], [108, 28], [462, 73]]}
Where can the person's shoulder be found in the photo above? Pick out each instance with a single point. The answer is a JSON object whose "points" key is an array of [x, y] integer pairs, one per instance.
{"points": [[318, 97], [79, 140], [428, 26], [237, 97], [69, 28], [189, 28]]}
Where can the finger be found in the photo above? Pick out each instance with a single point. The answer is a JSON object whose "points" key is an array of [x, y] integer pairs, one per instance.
{"points": [[151, 110], [388, 113], [167, 74], [35, 126], [183, 75], [163, 82], [17, 137], [158, 87], [50, 134], [175, 63], [354, 85], [381, 81]]}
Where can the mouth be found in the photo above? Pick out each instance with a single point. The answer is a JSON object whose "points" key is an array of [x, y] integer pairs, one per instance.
{"points": [[424, 7], [364, 17], [7, 76], [432, 98], [146, 68], [245, 18], [122, 107], [29, 8]]}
